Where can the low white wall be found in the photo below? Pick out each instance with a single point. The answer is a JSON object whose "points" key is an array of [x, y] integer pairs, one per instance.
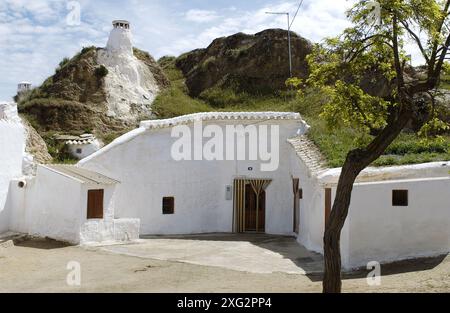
{"points": [[97, 230], [12, 147], [53, 202], [20, 217], [381, 232], [312, 206], [55, 206], [126, 229]]}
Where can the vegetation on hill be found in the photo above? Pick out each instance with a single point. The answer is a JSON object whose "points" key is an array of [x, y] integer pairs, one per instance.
{"points": [[334, 144], [256, 64], [74, 101]]}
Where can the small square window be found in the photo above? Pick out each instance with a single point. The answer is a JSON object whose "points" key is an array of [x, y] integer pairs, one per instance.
{"points": [[400, 197], [79, 151], [168, 205]]}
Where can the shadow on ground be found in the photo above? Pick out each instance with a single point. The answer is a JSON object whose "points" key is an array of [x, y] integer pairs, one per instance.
{"points": [[401, 267], [309, 261], [286, 246], [41, 243]]}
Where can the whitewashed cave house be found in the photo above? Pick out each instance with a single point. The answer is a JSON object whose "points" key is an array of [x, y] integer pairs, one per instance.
{"points": [[396, 212], [80, 147], [147, 182], [61, 202]]}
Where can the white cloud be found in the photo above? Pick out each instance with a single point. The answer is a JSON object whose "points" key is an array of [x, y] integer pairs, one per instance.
{"points": [[316, 20], [201, 16], [34, 36]]}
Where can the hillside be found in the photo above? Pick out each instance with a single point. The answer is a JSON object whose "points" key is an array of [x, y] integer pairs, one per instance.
{"points": [[178, 100], [91, 93], [257, 64]]}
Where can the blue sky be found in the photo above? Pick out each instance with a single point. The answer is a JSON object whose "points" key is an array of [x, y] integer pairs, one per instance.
{"points": [[35, 35]]}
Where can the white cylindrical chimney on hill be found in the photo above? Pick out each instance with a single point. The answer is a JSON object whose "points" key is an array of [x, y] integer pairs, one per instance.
{"points": [[23, 87], [120, 39]]}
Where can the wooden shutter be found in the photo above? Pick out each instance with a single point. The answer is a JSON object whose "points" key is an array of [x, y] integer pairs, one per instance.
{"points": [[95, 204]]}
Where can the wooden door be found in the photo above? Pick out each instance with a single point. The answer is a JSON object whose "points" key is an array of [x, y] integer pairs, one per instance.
{"points": [[262, 212], [251, 218], [250, 208]]}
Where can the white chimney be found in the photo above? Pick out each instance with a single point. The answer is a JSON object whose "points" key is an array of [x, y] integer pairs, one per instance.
{"points": [[120, 39]]}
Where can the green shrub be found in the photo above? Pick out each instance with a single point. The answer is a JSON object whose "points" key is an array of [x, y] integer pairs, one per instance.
{"points": [[101, 71], [58, 149], [410, 143], [219, 98], [87, 49]]}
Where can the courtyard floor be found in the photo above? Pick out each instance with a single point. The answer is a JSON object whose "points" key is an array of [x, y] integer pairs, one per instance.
{"points": [[207, 263], [253, 253]]}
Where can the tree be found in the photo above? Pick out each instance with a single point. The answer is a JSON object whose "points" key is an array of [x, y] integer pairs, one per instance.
{"points": [[372, 87]]}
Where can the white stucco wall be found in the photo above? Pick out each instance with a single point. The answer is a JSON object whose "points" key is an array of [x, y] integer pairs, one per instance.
{"points": [[86, 150], [12, 147], [120, 41], [53, 203], [381, 232], [312, 212], [130, 85], [148, 173], [20, 218], [55, 206], [374, 229], [97, 230]]}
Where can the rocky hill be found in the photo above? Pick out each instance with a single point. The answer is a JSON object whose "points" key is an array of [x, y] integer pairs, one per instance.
{"points": [[107, 91], [256, 64], [91, 93], [95, 91]]}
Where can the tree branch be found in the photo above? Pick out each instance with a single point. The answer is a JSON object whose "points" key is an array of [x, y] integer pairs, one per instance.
{"points": [[417, 39], [397, 62]]}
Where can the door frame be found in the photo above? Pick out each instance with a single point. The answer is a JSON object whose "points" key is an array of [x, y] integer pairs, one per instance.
{"points": [[296, 205], [239, 201]]}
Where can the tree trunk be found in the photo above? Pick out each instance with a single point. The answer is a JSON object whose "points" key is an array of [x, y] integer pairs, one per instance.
{"points": [[332, 249], [356, 161]]}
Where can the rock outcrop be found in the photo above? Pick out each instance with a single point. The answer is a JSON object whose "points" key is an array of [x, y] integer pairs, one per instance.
{"points": [[257, 64], [35, 145], [90, 93]]}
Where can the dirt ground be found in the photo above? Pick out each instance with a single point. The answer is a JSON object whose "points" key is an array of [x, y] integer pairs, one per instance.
{"points": [[40, 266]]}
